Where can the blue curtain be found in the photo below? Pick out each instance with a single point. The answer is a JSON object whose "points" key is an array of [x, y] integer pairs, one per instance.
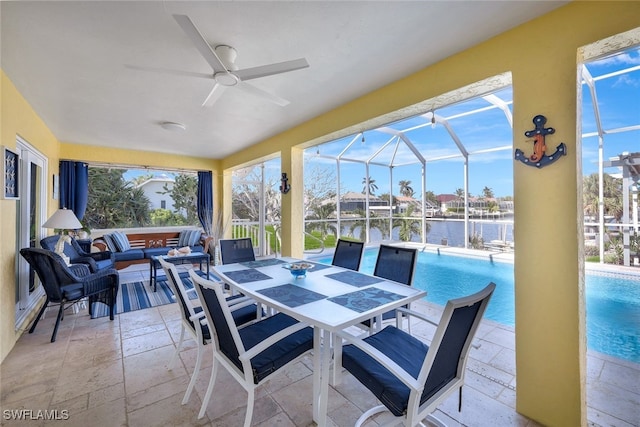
{"points": [[205, 200], [74, 186]]}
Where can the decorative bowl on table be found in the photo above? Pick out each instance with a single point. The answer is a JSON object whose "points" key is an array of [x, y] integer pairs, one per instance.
{"points": [[298, 269], [185, 250]]}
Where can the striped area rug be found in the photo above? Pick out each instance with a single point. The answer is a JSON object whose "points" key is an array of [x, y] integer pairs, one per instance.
{"points": [[138, 296]]}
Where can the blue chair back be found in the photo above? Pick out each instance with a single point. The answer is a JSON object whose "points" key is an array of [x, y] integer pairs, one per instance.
{"points": [[48, 267], [396, 263], [226, 332], [177, 287], [236, 250], [348, 254], [70, 249], [447, 356]]}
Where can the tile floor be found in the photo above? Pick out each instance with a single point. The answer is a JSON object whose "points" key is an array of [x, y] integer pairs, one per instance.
{"points": [[104, 373]]}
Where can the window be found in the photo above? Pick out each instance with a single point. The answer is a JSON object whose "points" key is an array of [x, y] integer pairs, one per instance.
{"points": [[133, 198]]}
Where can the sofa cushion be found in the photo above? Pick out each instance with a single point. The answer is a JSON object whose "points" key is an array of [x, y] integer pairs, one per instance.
{"points": [[130, 255], [149, 252], [121, 241], [189, 237], [111, 245]]}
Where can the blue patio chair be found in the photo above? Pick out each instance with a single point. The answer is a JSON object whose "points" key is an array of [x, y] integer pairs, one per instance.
{"points": [[253, 353], [409, 377], [236, 250], [193, 315], [348, 254], [66, 285], [397, 264], [95, 260]]}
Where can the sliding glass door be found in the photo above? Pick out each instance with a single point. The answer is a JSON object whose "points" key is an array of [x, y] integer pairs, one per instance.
{"points": [[30, 215]]}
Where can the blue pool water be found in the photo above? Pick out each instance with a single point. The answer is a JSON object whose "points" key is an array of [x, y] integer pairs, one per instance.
{"points": [[613, 304]]}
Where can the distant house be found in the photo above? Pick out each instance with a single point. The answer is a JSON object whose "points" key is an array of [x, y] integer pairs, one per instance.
{"points": [[448, 200], [352, 201], [153, 189], [403, 203]]}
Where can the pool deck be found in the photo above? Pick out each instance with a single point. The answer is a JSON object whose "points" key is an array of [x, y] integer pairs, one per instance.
{"points": [[115, 373]]}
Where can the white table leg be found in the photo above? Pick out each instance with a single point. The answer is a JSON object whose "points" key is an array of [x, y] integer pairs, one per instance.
{"points": [[324, 378], [317, 350], [337, 360]]}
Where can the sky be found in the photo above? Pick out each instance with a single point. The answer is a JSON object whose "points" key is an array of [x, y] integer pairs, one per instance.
{"points": [[619, 103]]}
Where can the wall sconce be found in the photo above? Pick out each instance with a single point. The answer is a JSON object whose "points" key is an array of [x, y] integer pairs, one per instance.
{"points": [[284, 184]]}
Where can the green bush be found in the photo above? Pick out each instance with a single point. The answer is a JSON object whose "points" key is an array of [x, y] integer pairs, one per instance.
{"points": [[591, 251]]}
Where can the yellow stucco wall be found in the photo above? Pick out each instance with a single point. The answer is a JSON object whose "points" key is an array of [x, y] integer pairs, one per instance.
{"points": [[16, 118], [541, 57]]}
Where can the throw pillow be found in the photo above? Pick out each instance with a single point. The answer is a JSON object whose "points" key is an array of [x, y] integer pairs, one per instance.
{"points": [[189, 237], [121, 241], [111, 245]]}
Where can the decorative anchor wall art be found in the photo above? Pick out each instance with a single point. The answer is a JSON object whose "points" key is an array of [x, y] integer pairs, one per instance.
{"points": [[539, 158]]}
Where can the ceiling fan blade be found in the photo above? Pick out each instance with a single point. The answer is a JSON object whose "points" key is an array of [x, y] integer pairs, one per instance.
{"points": [[201, 44], [249, 88], [269, 70], [170, 72], [214, 95]]}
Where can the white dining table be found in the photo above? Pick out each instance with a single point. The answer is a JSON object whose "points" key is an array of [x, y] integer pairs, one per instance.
{"points": [[329, 298]]}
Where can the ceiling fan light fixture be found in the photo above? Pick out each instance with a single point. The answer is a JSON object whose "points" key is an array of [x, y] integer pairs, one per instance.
{"points": [[433, 119], [173, 126]]}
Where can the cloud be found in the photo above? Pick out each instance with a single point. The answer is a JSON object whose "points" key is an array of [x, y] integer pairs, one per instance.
{"points": [[625, 80]]}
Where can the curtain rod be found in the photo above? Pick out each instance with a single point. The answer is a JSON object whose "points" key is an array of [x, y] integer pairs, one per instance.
{"points": [[143, 167]]}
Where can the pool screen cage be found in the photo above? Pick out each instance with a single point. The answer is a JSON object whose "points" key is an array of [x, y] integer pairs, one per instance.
{"points": [[458, 127]]}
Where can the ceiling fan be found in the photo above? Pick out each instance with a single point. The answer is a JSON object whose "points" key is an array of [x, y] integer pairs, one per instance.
{"points": [[226, 73]]}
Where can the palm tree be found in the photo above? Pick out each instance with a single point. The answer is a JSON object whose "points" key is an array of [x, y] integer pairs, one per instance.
{"points": [[372, 186], [405, 188], [487, 193], [612, 192], [408, 227], [360, 225], [322, 214]]}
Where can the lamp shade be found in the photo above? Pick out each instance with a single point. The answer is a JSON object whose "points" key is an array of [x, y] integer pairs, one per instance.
{"points": [[63, 219]]}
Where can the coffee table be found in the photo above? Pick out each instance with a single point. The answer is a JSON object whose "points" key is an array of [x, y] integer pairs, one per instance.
{"points": [[192, 258]]}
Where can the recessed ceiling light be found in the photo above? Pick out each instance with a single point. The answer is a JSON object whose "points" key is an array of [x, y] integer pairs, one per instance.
{"points": [[173, 126]]}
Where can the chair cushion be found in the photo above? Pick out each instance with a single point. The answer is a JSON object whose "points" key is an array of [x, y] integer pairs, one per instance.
{"points": [[189, 237], [280, 353], [245, 314], [72, 291], [408, 352], [104, 263], [121, 241]]}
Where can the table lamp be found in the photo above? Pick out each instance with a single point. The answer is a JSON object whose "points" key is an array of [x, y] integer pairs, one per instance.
{"points": [[63, 219]]}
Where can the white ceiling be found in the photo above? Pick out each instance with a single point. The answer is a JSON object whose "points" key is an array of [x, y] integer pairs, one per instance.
{"points": [[108, 73]]}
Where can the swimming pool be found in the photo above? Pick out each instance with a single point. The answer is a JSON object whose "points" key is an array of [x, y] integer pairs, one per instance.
{"points": [[613, 303]]}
